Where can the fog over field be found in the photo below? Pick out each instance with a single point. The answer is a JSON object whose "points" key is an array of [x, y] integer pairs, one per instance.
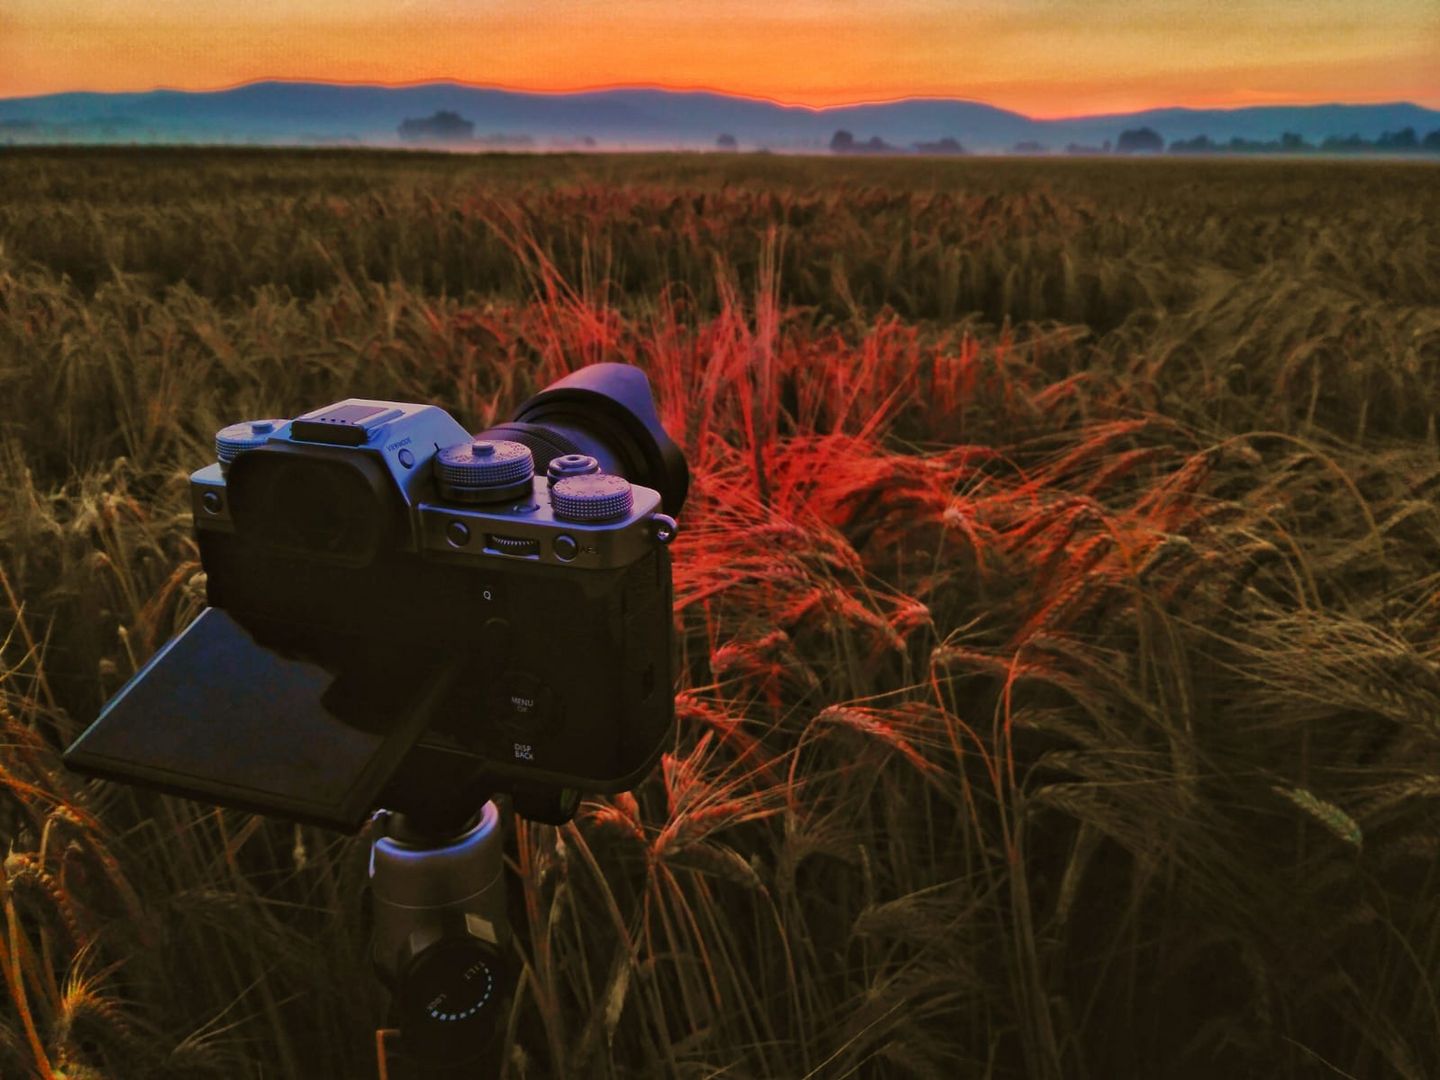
{"points": [[317, 112]]}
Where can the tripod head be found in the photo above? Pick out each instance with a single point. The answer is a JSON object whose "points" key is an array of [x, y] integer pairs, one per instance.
{"points": [[441, 937]]}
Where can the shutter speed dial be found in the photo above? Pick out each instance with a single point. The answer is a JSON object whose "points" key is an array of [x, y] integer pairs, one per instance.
{"points": [[484, 470]]}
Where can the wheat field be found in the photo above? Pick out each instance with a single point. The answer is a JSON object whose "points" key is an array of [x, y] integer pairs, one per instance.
{"points": [[1058, 604]]}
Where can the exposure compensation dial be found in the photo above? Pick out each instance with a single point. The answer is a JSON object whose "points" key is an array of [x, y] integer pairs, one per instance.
{"points": [[591, 498]]}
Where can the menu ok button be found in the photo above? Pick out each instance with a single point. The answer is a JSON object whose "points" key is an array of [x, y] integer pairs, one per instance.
{"points": [[524, 705]]}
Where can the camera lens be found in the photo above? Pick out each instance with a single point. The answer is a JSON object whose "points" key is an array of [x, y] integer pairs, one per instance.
{"points": [[607, 412]]}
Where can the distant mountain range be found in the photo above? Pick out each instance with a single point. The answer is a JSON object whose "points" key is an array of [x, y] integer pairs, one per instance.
{"points": [[306, 113]]}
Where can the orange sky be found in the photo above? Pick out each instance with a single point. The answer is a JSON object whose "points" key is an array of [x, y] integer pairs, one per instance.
{"points": [[1042, 57]]}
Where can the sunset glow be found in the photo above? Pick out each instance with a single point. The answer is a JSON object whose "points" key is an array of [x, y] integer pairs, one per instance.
{"points": [[1042, 57]]}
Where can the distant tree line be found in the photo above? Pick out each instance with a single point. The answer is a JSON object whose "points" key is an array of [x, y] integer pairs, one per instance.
{"points": [[442, 126], [843, 142], [1404, 141], [449, 127], [445, 126], [1145, 140], [1139, 141]]}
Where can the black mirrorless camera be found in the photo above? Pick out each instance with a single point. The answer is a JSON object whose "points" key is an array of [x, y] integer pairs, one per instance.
{"points": [[404, 615]]}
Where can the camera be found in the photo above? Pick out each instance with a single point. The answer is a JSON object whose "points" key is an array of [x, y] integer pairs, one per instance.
{"points": [[404, 614]]}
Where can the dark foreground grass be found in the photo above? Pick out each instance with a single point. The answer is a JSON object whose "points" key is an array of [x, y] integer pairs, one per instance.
{"points": [[1057, 598]]}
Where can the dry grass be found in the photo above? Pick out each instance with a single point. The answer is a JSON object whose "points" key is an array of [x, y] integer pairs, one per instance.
{"points": [[1058, 604]]}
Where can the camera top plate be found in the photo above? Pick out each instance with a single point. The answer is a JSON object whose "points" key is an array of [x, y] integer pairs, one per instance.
{"points": [[404, 438]]}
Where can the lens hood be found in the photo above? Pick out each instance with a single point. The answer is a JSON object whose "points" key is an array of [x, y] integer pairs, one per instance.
{"points": [[613, 403]]}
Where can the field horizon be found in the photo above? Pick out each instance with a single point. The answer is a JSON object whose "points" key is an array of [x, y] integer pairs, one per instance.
{"points": [[1058, 605]]}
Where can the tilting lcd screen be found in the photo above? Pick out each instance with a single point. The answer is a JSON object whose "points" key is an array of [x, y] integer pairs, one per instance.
{"points": [[309, 734]]}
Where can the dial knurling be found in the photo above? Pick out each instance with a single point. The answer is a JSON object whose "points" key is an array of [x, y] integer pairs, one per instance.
{"points": [[515, 545], [245, 435], [484, 463], [591, 497]]}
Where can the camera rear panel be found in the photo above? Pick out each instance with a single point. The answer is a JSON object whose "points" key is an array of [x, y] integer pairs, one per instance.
{"points": [[563, 676], [251, 717]]}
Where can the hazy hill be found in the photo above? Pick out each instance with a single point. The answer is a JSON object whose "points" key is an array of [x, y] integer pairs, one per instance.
{"points": [[301, 112]]}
